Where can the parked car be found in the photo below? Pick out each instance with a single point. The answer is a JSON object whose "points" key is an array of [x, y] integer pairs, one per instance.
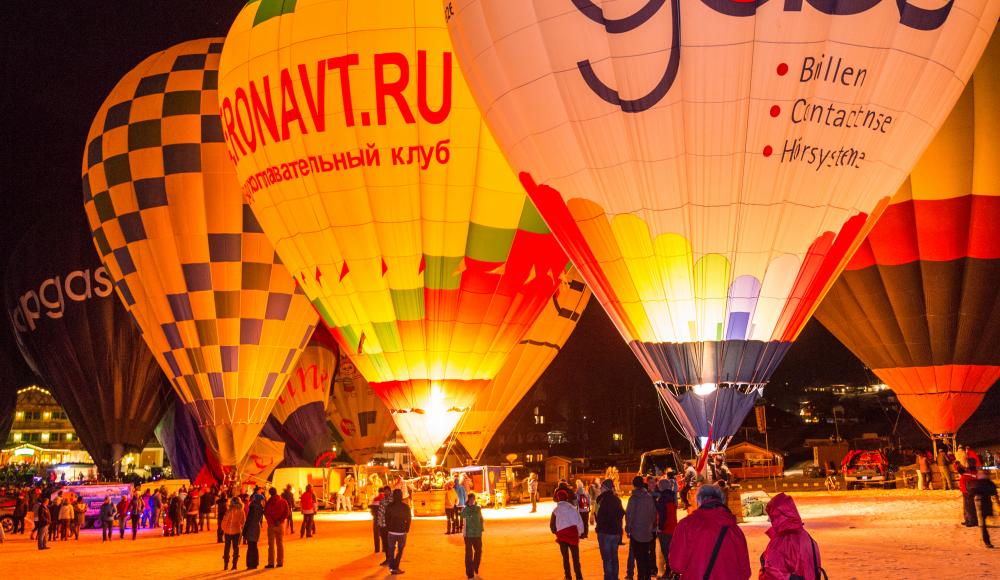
{"points": [[867, 467]]}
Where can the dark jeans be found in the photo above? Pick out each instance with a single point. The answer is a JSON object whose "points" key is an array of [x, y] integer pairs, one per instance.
{"points": [[205, 521], [473, 555], [585, 516], [640, 550], [396, 544], [664, 540], [121, 528], [969, 509], [308, 526], [135, 526], [106, 529], [18, 525], [608, 544], [983, 506], [454, 519], [253, 558], [376, 536], [384, 534], [43, 536], [567, 550], [291, 524], [232, 540]]}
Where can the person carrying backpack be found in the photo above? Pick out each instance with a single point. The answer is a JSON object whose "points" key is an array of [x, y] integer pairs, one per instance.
{"points": [[792, 553]]}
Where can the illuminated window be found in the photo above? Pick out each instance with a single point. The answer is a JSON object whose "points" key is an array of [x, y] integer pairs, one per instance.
{"points": [[45, 437], [17, 436], [617, 436]]}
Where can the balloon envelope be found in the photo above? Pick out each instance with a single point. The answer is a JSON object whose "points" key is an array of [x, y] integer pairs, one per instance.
{"points": [[301, 406], [190, 458], [77, 337], [386, 196], [360, 418], [525, 365], [710, 166], [918, 303], [220, 312], [268, 452]]}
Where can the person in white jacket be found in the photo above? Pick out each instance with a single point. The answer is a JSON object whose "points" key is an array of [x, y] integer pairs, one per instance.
{"points": [[567, 525]]}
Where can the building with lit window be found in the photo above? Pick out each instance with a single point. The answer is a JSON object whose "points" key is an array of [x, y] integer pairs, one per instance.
{"points": [[41, 433]]}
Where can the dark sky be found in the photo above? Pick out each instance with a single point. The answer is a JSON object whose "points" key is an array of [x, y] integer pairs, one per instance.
{"points": [[60, 60]]}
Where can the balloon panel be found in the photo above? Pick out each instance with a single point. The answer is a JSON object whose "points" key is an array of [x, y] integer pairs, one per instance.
{"points": [[359, 416], [301, 405], [218, 309], [387, 198], [525, 365], [267, 453], [710, 166], [918, 301], [717, 414], [81, 342], [190, 458]]}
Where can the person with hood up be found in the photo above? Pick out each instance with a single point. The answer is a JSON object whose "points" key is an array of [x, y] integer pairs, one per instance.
{"points": [[640, 526], [608, 526], [666, 519], [232, 526], [397, 524], [708, 543], [983, 491], [276, 511], [791, 552], [251, 529], [473, 536], [566, 524]]}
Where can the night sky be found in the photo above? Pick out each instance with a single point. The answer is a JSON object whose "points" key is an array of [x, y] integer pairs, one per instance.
{"points": [[61, 59]]}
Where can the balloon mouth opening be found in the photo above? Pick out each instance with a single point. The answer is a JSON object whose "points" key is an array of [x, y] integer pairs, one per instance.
{"points": [[704, 389], [420, 411]]}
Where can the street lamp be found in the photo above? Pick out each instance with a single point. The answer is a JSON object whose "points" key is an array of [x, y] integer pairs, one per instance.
{"points": [[836, 423]]}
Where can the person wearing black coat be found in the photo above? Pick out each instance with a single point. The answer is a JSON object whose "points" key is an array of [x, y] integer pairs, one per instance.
{"points": [[397, 523], [220, 512], [20, 512], [251, 530], [608, 526]]}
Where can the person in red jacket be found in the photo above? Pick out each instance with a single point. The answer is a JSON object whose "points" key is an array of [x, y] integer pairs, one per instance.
{"points": [[791, 552], [708, 543], [308, 503], [276, 511], [666, 519]]}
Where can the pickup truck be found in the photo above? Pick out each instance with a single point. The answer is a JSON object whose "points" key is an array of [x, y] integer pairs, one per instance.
{"points": [[867, 467]]}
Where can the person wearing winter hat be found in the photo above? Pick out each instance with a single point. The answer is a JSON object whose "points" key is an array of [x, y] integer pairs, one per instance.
{"points": [[608, 527], [640, 526], [566, 524]]}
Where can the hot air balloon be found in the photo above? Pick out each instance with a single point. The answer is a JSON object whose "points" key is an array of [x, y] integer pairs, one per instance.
{"points": [[710, 166], [359, 417], [918, 303], [301, 407], [525, 365], [268, 452], [220, 312], [190, 458], [79, 340], [368, 165]]}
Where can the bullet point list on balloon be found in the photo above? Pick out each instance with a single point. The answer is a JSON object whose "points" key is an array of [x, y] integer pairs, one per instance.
{"points": [[782, 69], [775, 110], [768, 151]]}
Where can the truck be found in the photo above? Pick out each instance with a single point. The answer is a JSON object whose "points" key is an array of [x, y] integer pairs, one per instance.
{"points": [[656, 462], [863, 467], [93, 495]]}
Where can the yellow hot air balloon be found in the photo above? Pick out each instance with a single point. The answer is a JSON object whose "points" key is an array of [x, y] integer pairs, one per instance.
{"points": [[368, 165], [525, 365], [220, 312], [359, 416], [710, 166]]}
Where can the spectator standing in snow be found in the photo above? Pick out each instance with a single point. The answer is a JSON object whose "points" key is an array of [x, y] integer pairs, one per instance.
{"points": [[451, 512], [566, 524], [923, 471], [373, 506], [687, 483], [205, 504], [961, 457], [965, 479], [608, 526], [251, 529], [533, 490], [79, 517], [666, 519], [397, 523], [221, 507], [383, 530], [65, 517], [791, 551], [232, 526], [289, 498], [583, 506], [107, 516], [708, 540], [640, 526], [473, 536], [43, 518], [308, 503], [276, 511], [983, 492], [944, 466], [122, 513], [135, 508]]}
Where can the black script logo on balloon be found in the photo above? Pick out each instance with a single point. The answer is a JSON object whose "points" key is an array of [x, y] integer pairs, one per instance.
{"points": [[50, 298], [909, 15]]}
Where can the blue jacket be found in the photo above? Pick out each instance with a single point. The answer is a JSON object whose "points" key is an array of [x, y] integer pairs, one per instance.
{"points": [[462, 495]]}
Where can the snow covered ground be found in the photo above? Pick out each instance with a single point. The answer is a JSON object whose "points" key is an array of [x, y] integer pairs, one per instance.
{"points": [[874, 534]]}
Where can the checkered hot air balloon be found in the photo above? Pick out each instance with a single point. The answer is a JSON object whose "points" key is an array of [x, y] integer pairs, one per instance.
{"points": [[369, 167], [220, 312]]}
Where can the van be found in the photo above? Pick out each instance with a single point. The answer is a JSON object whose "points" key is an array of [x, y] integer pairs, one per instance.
{"points": [[93, 495]]}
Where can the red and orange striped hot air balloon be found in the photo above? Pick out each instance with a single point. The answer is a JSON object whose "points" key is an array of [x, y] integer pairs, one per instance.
{"points": [[919, 303]]}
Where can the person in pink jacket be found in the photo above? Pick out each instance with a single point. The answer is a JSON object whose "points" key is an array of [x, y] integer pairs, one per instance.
{"points": [[791, 553], [708, 543]]}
